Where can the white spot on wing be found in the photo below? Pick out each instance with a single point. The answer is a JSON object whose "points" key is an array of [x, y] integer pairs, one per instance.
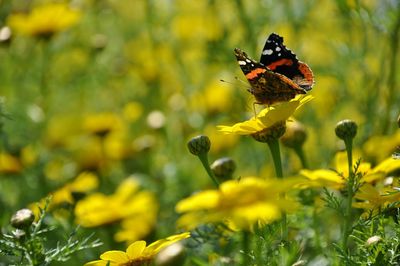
{"points": [[248, 60], [279, 54], [267, 52], [277, 48], [242, 63]]}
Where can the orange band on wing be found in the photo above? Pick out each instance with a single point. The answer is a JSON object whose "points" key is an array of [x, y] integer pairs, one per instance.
{"points": [[255, 72], [281, 62]]}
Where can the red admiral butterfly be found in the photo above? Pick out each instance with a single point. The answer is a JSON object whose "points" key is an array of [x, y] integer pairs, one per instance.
{"points": [[279, 76]]}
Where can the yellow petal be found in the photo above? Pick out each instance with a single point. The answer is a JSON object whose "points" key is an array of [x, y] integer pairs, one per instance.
{"points": [[135, 250], [244, 128], [86, 181], [267, 117], [387, 166], [155, 247], [202, 200], [116, 256], [96, 263]]}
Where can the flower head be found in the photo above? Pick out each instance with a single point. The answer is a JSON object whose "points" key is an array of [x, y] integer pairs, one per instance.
{"points": [[102, 124], [346, 129], [373, 199], [22, 219], [336, 179], [295, 135], [83, 183], [137, 210], [240, 203], [267, 118], [137, 253], [44, 21], [9, 164]]}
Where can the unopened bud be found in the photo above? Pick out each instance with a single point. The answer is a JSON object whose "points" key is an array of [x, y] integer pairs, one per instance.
{"points": [[199, 145], [99, 42], [346, 129], [5, 35], [271, 133], [173, 255], [22, 219], [373, 240], [223, 168], [295, 135]]}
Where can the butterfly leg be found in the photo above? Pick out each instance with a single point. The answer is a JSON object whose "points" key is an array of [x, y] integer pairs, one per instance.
{"points": [[254, 107]]}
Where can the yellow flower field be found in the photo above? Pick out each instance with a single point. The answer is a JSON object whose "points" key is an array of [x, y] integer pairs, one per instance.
{"points": [[221, 132]]}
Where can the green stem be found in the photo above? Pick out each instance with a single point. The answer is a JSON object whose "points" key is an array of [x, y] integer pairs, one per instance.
{"points": [[392, 78], [45, 93], [350, 193], [316, 224], [246, 248], [300, 153], [204, 160], [276, 156]]}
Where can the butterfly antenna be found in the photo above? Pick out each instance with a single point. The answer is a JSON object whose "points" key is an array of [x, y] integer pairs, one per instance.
{"points": [[242, 81], [241, 84]]}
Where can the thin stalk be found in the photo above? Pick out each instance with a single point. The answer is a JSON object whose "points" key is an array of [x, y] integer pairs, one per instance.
{"points": [[246, 248], [350, 194], [276, 157], [204, 160], [300, 153], [391, 83]]}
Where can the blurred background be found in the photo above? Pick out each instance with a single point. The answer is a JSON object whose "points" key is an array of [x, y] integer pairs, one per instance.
{"points": [[117, 88]]}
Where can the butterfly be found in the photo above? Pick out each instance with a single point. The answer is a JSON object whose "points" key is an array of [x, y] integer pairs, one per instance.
{"points": [[279, 76]]}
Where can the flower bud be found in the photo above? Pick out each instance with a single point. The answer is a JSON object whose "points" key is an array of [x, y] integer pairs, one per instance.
{"points": [[173, 255], [223, 168], [5, 35], [99, 42], [274, 132], [199, 145], [346, 129], [295, 135], [22, 219], [373, 240]]}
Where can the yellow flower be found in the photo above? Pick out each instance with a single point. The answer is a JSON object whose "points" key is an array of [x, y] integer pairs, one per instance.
{"points": [[9, 164], [102, 123], [380, 147], [29, 155], [137, 209], [215, 98], [84, 182], [373, 199], [45, 20], [137, 253], [336, 179], [267, 118], [132, 111], [240, 203]]}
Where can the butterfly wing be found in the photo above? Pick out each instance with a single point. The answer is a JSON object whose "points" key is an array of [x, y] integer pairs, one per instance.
{"points": [[267, 86], [276, 57]]}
